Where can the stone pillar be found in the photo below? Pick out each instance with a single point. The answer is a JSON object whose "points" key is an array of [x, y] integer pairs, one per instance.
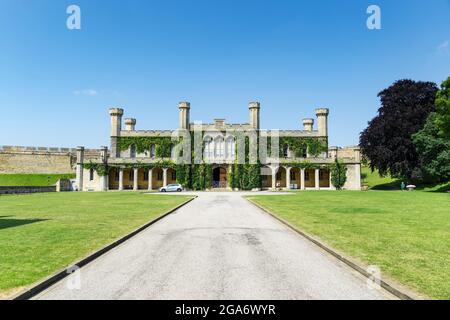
{"points": [[288, 178], [302, 179], [104, 179], [316, 179], [150, 179], [358, 183], [79, 172], [120, 179], [135, 179], [230, 170], [274, 178], [165, 177], [331, 184]]}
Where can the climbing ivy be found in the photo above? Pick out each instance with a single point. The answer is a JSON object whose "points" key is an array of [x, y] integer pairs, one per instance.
{"points": [[163, 145], [101, 169], [245, 176], [201, 176], [298, 145], [307, 165], [184, 175], [141, 165]]}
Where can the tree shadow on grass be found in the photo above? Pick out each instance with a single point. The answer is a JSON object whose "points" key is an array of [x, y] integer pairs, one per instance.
{"points": [[394, 185], [444, 188], [11, 223]]}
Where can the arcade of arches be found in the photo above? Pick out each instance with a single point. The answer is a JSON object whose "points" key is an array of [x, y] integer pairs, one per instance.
{"points": [[281, 177]]}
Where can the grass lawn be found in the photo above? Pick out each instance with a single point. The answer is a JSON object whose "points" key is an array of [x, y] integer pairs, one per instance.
{"points": [[406, 234], [42, 233], [32, 180], [374, 180]]}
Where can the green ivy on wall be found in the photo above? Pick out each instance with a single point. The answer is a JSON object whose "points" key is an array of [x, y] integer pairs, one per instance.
{"points": [[101, 169], [201, 176], [298, 145], [163, 145], [307, 165]]}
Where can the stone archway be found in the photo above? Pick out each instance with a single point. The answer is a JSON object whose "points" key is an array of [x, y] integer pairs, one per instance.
{"points": [[280, 178], [220, 177], [266, 177]]}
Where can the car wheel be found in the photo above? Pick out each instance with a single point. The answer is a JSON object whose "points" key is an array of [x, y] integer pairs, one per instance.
{"points": [[163, 190], [179, 190]]}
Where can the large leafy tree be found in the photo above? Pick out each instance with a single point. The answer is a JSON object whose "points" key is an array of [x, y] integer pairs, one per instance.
{"points": [[387, 141], [434, 152], [443, 109]]}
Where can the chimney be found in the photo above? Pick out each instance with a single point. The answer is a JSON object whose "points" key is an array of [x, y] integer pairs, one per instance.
{"points": [[322, 121], [254, 108], [130, 124], [308, 124], [185, 108]]}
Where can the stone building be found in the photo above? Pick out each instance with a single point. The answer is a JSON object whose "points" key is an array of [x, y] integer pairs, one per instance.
{"points": [[150, 159]]}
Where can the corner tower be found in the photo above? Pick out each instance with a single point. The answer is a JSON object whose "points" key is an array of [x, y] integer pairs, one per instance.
{"points": [[254, 109], [184, 108], [322, 121], [116, 126]]}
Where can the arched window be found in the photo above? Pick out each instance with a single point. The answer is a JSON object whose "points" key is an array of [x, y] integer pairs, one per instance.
{"points": [[219, 148], [207, 148], [286, 151], [231, 147], [133, 151], [152, 151], [304, 152]]}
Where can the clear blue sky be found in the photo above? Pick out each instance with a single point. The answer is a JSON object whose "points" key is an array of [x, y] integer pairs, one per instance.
{"points": [[56, 84]]}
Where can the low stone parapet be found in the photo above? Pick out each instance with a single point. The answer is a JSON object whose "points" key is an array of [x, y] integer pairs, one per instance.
{"points": [[24, 190]]}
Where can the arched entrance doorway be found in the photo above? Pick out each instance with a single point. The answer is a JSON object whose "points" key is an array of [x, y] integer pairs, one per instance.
{"points": [[281, 178], [219, 178]]}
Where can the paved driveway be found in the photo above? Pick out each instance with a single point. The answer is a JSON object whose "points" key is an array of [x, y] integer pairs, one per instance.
{"points": [[219, 246]]}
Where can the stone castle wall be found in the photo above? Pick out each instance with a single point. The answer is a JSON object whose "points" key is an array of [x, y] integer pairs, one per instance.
{"points": [[39, 159]]}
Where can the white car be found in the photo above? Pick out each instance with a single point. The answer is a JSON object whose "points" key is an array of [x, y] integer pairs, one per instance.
{"points": [[174, 187]]}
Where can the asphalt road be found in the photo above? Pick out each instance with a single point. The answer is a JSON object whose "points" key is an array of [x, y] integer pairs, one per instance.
{"points": [[219, 246]]}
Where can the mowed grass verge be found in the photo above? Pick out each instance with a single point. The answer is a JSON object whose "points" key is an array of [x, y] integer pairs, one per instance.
{"points": [[406, 234], [42, 233], [32, 180]]}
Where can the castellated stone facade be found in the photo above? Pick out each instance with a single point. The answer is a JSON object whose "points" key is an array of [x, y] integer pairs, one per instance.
{"points": [[39, 160], [149, 159]]}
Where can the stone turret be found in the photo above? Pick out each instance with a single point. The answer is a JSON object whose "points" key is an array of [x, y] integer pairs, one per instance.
{"points": [[254, 110], [322, 121], [130, 124], [184, 108], [116, 126], [308, 124]]}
